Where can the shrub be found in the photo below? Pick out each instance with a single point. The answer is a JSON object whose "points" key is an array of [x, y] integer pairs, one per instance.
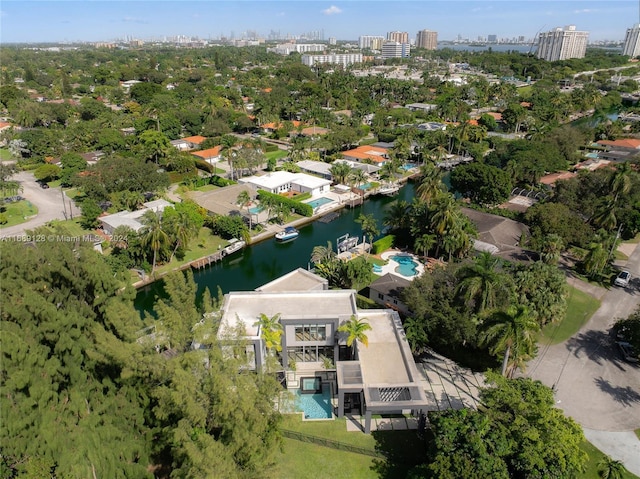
{"points": [[204, 166], [270, 148], [383, 244], [301, 208]]}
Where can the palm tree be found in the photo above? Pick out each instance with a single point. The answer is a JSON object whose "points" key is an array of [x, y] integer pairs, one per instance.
{"points": [[512, 331], [552, 248], [340, 171], [609, 468], [322, 254], [425, 243], [183, 229], [244, 200], [397, 215], [270, 331], [369, 227], [356, 329], [431, 184], [482, 283], [620, 182], [358, 176], [445, 213], [153, 234]]}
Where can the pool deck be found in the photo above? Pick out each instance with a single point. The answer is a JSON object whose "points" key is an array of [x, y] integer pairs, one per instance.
{"points": [[391, 266]]}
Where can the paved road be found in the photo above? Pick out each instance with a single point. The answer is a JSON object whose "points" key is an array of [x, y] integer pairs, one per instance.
{"points": [[592, 383], [48, 202]]}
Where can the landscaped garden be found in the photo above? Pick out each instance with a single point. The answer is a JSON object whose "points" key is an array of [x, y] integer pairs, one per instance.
{"points": [[580, 308]]}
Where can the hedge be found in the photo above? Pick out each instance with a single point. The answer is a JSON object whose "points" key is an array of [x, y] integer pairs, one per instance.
{"points": [[301, 208], [270, 147], [383, 244], [204, 166]]}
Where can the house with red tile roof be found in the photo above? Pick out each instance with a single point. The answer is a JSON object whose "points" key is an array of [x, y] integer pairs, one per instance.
{"points": [[621, 144], [188, 143], [4, 125], [367, 153], [552, 178], [273, 126], [210, 155]]}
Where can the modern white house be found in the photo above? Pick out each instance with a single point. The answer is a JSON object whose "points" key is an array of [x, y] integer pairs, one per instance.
{"points": [[283, 181], [381, 377], [131, 218]]}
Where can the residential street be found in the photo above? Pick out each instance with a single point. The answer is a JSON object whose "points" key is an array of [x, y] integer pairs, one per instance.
{"points": [[592, 383], [48, 201]]}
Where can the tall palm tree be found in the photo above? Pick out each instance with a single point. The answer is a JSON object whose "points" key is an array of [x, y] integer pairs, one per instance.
{"points": [[609, 468], [445, 213], [182, 229], [483, 284], [425, 243], [397, 215], [340, 172], [244, 200], [430, 185], [369, 226], [321, 254], [356, 329], [620, 182], [153, 234], [512, 331], [358, 176]]}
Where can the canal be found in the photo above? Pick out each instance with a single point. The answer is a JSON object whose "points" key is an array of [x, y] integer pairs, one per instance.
{"points": [[266, 261]]}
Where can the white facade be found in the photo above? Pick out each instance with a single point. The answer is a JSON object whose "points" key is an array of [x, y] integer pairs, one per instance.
{"points": [[284, 181], [343, 59], [131, 218], [632, 42], [562, 44], [287, 48], [371, 42], [396, 50]]}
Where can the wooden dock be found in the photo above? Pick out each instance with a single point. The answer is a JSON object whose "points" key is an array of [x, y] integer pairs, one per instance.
{"points": [[328, 218], [206, 261]]}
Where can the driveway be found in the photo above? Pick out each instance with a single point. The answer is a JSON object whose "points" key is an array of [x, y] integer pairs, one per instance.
{"points": [[48, 202], [592, 383]]}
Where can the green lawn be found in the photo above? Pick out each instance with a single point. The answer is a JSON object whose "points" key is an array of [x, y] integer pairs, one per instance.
{"points": [[205, 244], [5, 155], [580, 307], [70, 227], [276, 154], [595, 455], [18, 212], [305, 460]]}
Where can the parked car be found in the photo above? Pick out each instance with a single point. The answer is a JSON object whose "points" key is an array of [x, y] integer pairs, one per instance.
{"points": [[628, 353], [44, 186], [623, 279]]}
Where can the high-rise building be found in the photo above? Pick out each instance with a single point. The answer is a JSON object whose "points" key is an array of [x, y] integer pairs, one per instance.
{"points": [[427, 39], [332, 40], [492, 38], [371, 42], [395, 50], [400, 37], [632, 41], [562, 44]]}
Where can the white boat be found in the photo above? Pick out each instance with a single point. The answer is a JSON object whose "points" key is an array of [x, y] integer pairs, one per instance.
{"points": [[388, 190], [346, 243], [234, 245], [288, 233]]}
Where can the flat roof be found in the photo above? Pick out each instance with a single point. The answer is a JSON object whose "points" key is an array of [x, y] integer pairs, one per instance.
{"points": [[315, 166], [297, 280], [270, 180], [246, 307]]}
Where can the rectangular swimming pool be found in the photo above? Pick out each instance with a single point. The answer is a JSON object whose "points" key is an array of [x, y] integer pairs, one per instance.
{"points": [[315, 406], [319, 202]]}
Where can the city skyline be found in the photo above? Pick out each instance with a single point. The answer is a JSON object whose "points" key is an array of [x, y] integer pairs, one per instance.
{"points": [[29, 21]]}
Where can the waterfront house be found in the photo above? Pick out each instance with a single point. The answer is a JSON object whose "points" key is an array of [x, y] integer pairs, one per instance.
{"points": [[367, 153], [382, 376], [278, 182], [131, 218]]}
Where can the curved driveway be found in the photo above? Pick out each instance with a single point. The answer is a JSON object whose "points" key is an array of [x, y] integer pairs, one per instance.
{"points": [[48, 202], [591, 381]]}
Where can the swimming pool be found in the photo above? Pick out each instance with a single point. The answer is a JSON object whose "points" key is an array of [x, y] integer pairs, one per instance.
{"points": [[366, 186], [319, 202], [409, 166], [255, 210], [315, 406], [407, 266], [591, 155]]}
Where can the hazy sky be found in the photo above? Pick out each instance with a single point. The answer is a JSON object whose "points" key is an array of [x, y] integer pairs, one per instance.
{"points": [[59, 20]]}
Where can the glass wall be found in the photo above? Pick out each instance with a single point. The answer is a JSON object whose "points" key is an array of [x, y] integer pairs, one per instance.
{"points": [[309, 354]]}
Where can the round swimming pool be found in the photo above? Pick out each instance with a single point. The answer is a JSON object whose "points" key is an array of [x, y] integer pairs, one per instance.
{"points": [[407, 266]]}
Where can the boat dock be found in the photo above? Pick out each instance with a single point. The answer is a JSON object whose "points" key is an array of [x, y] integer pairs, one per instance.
{"points": [[328, 218], [206, 261]]}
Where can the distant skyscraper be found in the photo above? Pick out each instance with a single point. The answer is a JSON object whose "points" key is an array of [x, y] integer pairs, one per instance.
{"points": [[332, 40], [400, 37], [395, 50], [562, 44], [492, 38], [371, 42], [427, 39], [632, 41]]}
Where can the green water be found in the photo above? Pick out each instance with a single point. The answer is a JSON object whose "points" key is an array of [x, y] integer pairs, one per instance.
{"points": [[268, 260]]}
